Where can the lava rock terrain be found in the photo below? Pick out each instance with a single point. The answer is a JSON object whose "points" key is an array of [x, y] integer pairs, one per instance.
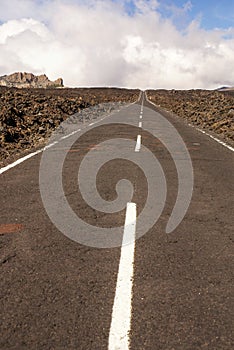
{"points": [[28, 116], [212, 111]]}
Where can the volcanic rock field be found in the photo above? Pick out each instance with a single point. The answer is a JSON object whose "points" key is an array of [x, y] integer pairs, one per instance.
{"points": [[212, 111], [28, 116]]}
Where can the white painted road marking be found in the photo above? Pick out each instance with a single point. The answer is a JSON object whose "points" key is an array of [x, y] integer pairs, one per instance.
{"points": [[140, 124], [140, 116], [21, 160], [122, 308], [66, 136], [30, 155], [202, 131], [138, 143], [214, 138], [50, 145]]}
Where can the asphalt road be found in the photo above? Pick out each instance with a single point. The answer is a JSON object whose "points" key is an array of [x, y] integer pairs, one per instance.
{"points": [[57, 293]]}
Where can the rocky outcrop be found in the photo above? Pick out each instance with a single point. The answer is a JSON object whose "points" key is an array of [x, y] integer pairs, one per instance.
{"points": [[29, 80]]}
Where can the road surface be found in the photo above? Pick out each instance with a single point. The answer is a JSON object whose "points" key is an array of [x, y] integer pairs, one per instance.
{"points": [[59, 294]]}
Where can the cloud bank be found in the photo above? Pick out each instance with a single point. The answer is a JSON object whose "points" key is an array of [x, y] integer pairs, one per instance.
{"points": [[110, 43]]}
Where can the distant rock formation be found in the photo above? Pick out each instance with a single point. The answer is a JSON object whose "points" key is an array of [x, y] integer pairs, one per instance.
{"points": [[225, 88], [29, 80]]}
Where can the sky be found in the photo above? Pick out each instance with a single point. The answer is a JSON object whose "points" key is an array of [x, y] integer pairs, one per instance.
{"points": [[171, 44]]}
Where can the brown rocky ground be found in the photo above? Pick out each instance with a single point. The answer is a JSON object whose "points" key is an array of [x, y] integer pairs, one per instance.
{"points": [[28, 116], [212, 111]]}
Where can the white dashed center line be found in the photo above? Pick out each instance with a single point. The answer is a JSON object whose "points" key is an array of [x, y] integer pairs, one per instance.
{"points": [[138, 143], [119, 337]]}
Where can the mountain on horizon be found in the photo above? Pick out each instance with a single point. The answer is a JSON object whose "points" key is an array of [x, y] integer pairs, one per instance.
{"points": [[29, 80]]}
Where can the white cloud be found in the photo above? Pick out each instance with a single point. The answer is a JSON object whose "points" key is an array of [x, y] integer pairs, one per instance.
{"points": [[92, 43]]}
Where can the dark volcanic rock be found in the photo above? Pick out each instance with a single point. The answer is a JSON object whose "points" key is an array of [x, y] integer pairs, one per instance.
{"points": [[28, 116], [209, 110]]}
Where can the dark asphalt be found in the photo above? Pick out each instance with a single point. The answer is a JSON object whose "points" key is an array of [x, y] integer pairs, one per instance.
{"points": [[58, 294]]}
